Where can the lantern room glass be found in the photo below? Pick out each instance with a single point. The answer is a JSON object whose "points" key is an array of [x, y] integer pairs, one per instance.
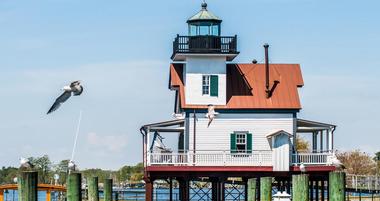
{"points": [[204, 29]]}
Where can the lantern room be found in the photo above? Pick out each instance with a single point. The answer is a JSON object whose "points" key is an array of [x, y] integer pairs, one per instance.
{"points": [[204, 23], [204, 38]]}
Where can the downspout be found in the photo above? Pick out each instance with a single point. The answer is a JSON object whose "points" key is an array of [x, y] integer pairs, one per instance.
{"points": [[194, 136], [143, 133]]}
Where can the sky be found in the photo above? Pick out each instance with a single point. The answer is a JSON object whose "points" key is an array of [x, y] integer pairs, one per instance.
{"points": [[121, 51]]}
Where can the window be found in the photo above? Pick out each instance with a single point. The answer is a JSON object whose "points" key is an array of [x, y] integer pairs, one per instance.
{"points": [[205, 85], [210, 85], [241, 142]]}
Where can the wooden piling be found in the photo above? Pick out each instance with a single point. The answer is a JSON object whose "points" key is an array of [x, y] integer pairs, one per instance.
{"points": [[107, 190], [337, 185], [27, 186], [251, 193], [93, 189], [266, 189], [300, 187], [74, 187]]}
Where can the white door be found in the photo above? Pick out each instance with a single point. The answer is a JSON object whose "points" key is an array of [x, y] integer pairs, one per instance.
{"points": [[281, 152]]}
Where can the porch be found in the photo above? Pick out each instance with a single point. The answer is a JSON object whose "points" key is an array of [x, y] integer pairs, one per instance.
{"points": [[155, 154]]}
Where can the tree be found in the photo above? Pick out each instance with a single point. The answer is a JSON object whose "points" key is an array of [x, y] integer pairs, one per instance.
{"points": [[357, 162], [377, 160], [302, 145], [43, 166], [7, 174], [62, 169]]}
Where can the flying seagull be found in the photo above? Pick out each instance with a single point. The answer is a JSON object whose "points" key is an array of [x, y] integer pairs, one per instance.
{"points": [[74, 88], [211, 114]]}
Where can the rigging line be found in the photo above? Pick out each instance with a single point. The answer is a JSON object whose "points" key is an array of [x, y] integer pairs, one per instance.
{"points": [[76, 135]]}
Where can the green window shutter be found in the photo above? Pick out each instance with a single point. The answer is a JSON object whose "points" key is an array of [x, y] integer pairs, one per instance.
{"points": [[213, 85], [233, 143], [249, 142]]}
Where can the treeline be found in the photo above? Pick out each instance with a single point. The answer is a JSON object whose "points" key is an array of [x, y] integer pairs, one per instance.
{"points": [[47, 169]]}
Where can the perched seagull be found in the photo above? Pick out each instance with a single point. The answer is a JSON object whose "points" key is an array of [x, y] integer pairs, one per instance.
{"points": [[336, 162], [303, 168], [211, 114], [71, 166], [75, 88], [25, 163]]}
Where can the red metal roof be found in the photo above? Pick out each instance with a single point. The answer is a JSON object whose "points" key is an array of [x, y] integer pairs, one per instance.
{"points": [[246, 86]]}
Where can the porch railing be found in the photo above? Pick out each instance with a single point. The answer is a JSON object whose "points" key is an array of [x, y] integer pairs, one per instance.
{"points": [[226, 158], [212, 158], [311, 158]]}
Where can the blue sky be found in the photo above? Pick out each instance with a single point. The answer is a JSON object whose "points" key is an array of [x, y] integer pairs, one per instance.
{"points": [[121, 50]]}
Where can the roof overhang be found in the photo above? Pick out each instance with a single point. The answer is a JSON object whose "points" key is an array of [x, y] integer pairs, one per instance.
{"points": [[280, 132], [165, 126], [182, 56], [307, 126]]}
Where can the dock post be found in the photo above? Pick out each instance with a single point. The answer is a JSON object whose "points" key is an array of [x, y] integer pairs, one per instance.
{"points": [[93, 189], [27, 186], [337, 186], [251, 193], [107, 190], [266, 189], [74, 187], [300, 187]]}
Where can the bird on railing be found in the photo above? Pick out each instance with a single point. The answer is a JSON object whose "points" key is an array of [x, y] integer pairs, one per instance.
{"points": [[302, 168]]}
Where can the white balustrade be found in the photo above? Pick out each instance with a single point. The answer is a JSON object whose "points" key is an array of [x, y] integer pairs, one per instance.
{"points": [[311, 158], [212, 158]]}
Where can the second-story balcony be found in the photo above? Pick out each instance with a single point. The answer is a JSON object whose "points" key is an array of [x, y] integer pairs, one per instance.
{"points": [[226, 45]]}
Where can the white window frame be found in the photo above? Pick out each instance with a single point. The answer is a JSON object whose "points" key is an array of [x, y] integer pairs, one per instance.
{"points": [[241, 139], [206, 84]]}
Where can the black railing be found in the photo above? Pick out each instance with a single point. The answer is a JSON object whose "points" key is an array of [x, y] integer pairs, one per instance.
{"points": [[205, 44]]}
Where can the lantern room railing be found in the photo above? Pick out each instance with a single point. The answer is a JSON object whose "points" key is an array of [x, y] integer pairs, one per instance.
{"points": [[205, 44]]}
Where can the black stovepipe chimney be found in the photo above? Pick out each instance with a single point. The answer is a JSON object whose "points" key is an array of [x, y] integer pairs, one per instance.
{"points": [[266, 46]]}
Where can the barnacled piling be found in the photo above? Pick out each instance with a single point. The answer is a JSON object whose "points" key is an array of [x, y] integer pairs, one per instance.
{"points": [[74, 190], [27, 186], [107, 190], [93, 190]]}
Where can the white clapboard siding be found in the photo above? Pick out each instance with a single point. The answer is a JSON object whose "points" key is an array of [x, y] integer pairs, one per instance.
{"points": [[217, 135], [195, 68]]}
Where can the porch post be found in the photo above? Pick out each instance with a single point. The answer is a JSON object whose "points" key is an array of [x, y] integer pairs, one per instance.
{"points": [[321, 141], [314, 147], [330, 137]]}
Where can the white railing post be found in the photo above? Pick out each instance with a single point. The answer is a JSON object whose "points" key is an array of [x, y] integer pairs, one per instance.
{"points": [[224, 158]]}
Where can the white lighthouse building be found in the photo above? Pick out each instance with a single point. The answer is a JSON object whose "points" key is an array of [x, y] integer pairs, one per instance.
{"points": [[231, 119]]}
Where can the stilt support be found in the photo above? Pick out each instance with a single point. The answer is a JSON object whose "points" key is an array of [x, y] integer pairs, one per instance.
{"points": [[337, 186], [266, 189], [251, 190], [148, 190], [300, 187]]}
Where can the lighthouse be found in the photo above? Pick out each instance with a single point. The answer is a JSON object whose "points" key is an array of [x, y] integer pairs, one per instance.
{"points": [[232, 121]]}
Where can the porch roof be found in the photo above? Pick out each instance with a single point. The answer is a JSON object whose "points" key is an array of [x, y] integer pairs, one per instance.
{"points": [[175, 125], [307, 126]]}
